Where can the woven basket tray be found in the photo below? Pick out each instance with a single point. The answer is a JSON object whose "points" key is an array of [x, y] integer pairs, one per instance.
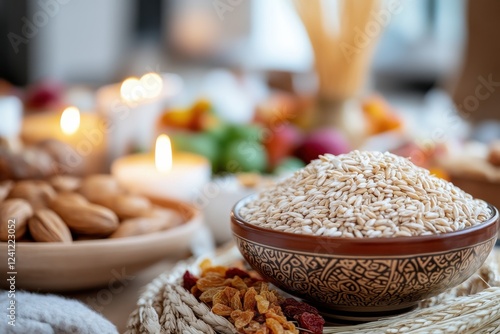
{"points": [[472, 307]]}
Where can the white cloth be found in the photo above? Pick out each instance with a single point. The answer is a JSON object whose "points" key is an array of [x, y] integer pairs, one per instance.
{"points": [[50, 314]]}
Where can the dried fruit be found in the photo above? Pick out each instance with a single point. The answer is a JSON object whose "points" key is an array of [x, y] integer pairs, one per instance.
{"points": [[238, 283], [188, 280], [262, 304], [241, 318], [219, 270], [293, 308], [207, 296], [236, 302], [274, 326], [210, 281], [232, 272], [249, 301], [221, 309], [220, 298], [311, 322]]}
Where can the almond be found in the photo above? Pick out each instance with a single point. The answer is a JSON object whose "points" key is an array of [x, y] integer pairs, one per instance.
{"points": [[98, 188], [65, 183], [37, 193], [86, 218], [66, 197], [5, 188], [128, 206], [172, 217], [14, 212], [139, 226], [47, 226]]}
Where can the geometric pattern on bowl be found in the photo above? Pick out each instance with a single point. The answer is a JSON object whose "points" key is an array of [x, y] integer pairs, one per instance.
{"points": [[366, 282]]}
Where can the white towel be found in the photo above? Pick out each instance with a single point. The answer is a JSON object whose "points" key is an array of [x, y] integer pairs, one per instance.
{"points": [[47, 314]]}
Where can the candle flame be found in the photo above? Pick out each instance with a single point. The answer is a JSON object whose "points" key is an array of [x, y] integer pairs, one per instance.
{"points": [[163, 154], [70, 120], [149, 86], [128, 89], [152, 84]]}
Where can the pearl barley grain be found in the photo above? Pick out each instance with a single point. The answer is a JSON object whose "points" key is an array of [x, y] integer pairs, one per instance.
{"points": [[365, 195]]}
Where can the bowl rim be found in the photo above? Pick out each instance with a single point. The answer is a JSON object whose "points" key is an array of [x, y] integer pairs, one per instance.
{"points": [[364, 246]]}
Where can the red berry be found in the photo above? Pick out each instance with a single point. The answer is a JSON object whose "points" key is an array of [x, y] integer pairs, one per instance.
{"points": [[231, 272], [311, 322], [188, 280]]}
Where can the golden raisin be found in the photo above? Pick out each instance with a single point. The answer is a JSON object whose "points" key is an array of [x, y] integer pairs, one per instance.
{"points": [[222, 310], [210, 281], [241, 318], [249, 301], [274, 326], [236, 302], [262, 304]]}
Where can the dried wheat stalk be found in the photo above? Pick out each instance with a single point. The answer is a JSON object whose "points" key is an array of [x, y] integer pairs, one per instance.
{"points": [[462, 314]]}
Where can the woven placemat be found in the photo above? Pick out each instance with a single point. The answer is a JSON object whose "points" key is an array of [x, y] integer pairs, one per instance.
{"points": [[472, 307]]}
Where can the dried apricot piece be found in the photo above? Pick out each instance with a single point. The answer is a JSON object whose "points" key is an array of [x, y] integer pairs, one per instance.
{"points": [[222, 310]]}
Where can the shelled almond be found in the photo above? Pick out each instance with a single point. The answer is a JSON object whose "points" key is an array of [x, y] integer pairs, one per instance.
{"points": [[15, 212], [67, 208]]}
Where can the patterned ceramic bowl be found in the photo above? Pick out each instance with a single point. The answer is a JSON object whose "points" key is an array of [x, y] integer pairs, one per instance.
{"points": [[364, 279]]}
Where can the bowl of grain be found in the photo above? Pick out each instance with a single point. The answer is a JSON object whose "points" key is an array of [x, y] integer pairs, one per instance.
{"points": [[364, 235]]}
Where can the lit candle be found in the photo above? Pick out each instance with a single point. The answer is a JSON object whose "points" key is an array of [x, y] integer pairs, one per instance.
{"points": [[132, 108], [163, 174], [84, 133]]}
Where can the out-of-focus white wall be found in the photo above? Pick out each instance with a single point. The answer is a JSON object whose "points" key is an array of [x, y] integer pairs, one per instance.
{"points": [[81, 40]]}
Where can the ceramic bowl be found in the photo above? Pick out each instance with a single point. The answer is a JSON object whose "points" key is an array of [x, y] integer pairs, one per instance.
{"points": [[57, 267], [356, 280]]}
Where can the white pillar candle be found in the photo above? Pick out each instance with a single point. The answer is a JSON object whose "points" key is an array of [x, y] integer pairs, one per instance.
{"points": [[180, 175], [132, 108], [85, 133]]}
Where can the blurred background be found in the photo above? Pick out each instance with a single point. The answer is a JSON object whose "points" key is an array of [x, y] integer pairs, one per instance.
{"points": [[266, 86]]}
